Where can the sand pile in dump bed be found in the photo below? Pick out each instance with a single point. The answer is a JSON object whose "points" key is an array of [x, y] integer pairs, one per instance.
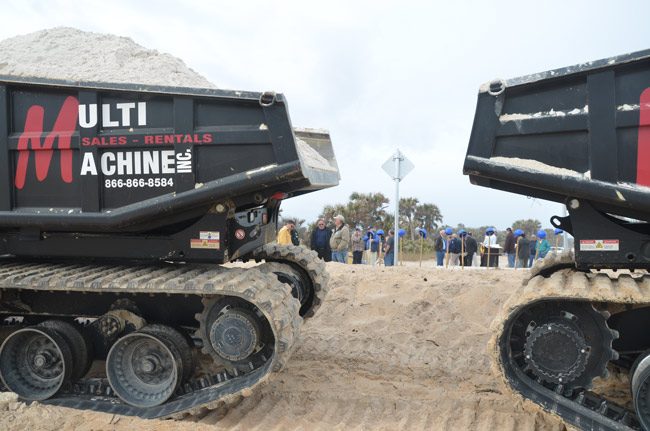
{"points": [[71, 54], [75, 55], [392, 348]]}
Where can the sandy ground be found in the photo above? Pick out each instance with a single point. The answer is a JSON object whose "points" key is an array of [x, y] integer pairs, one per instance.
{"points": [[392, 348]]}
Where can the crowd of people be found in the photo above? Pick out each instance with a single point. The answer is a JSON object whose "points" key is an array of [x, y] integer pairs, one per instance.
{"points": [[334, 244], [451, 248]]}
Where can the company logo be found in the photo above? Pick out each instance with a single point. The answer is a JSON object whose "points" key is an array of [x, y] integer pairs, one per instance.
{"points": [[35, 141], [64, 127]]}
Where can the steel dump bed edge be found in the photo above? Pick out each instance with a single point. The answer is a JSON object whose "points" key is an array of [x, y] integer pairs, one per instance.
{"points": [[83, 156], [581, 131]]}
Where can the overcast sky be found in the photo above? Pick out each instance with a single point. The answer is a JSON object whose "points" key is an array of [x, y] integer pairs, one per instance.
{"points": [[378, 75]]}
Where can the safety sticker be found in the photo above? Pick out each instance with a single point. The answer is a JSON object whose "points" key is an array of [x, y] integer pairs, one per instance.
{"points": [[240, 234], [207, 234], [599, 245], [204, 243]]}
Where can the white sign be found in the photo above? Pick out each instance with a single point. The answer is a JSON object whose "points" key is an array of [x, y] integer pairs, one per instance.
{"points": [[391, 168], [398, 166]]}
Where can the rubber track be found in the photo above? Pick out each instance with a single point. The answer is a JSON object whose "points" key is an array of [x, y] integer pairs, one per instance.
{"points": [[265, 291], [307, 260], [567, 284]]}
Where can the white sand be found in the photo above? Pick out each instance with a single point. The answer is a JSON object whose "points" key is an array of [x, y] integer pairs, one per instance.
{"points": [[75, 55], [542, 114], [536, 166], [391, 348], [311, 157]]}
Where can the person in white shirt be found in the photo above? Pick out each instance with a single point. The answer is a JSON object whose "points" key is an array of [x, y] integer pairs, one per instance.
{"points": [[490, 237], [490, 256]]}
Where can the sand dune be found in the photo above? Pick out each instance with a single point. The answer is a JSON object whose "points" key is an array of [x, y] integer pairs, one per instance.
{"points": [[392, 348]]}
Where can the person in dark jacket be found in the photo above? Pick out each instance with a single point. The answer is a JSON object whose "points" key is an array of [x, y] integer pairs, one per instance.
{"points": [[471, 247], [455, 248], [389, 252], [320, 241], [509, 247], [440, 246], [523, 249], [533, 250]]}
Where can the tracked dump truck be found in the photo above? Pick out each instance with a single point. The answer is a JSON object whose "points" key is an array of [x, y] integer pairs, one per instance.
{"points": [[118, 206], [578, 136]]}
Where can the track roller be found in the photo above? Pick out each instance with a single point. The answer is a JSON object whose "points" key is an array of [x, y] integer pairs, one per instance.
{"points": [[145, 368], [35, 362], [299, 282], [562, 343], [80, 347], [233, 331], [640, 385]]}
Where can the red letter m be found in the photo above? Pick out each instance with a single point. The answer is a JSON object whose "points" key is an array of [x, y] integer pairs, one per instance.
{"points": [[64, 127]]}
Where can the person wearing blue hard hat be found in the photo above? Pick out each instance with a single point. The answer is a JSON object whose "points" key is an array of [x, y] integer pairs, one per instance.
{"points": [[470, 246], [372, 241], [523, 249], [454, 250], [558, 232], [490, 239], [379, 244], [490, 256], [440, 247], [543, 246], [533, 250]]}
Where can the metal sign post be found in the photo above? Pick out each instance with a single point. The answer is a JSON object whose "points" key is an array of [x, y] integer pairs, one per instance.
{"points": [[398, 166]]}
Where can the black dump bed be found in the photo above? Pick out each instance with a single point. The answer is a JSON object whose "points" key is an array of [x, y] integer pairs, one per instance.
{"points": [[82, 157], [581, 131]]}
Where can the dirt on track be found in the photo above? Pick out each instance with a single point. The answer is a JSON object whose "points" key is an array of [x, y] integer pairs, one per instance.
{"points": [[391, 348]]}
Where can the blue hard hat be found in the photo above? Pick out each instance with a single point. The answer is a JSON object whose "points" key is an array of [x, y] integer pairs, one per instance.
{"points": [[541, 234], [558, 231], [422, 232], [490, 230], [462, 232], [380, 232], [449, 231], [518, 232], [401, 232]]}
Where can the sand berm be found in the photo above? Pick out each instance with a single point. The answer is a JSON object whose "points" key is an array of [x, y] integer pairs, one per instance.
{"points": [[391, 348]]}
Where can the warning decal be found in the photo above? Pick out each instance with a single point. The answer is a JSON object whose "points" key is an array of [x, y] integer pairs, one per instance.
{"points": [[599, 245], [204, 243], [207, 234]]}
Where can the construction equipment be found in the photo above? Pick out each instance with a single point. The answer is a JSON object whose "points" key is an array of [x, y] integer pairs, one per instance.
{"points": [[119, 205], [580, 136]]}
